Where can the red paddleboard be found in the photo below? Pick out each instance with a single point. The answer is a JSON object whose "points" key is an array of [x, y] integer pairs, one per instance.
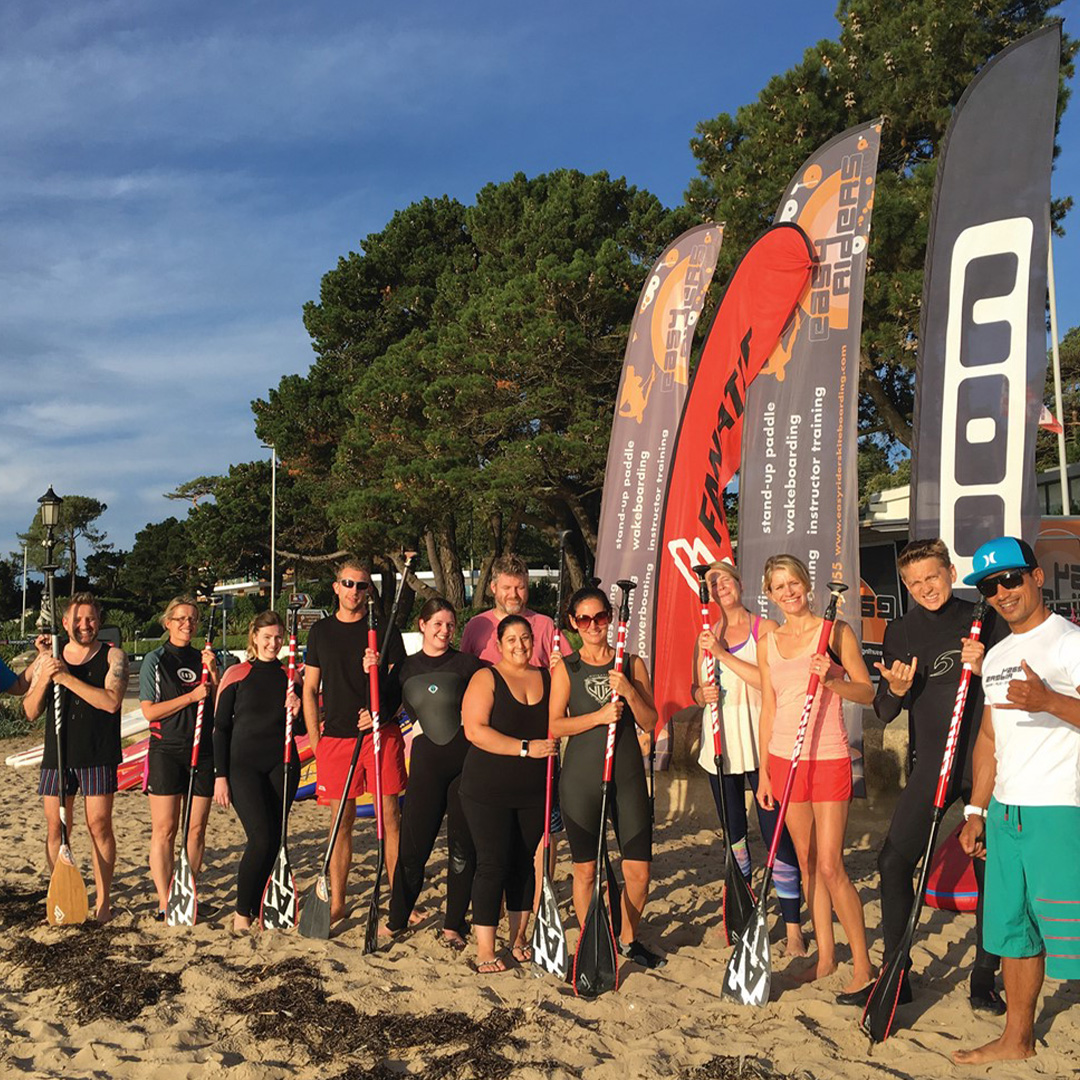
{"points": [[951, 884]]}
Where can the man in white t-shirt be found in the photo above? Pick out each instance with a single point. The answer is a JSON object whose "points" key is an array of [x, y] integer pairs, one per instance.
{"points": [[1025, 799]]}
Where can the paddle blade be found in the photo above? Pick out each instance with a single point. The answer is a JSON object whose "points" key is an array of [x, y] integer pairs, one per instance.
{"points": [[315, 910], [548, 936], [371, 931], [596, 968], [278, 909], [739, 903], [880, 1011], [614, 895], [183, 905], [749, 971], [66, 902]]}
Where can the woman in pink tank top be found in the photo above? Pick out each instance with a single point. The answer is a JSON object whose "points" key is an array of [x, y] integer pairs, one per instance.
{"points": [[818, 811]]}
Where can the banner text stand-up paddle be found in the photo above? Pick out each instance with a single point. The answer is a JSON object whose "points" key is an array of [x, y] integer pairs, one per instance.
{"points": [[315, 911], [278, 908], [749, 971], [596, 968], [738, 898], [66, 902], [182, 908], [880, 1011], [549, 936]]}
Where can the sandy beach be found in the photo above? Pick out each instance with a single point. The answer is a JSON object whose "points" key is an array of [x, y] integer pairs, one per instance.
{"points": [[140, 1000]]}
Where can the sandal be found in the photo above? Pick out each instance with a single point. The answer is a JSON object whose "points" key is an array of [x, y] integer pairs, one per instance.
{"points": [[490, 967], [523, 954]]}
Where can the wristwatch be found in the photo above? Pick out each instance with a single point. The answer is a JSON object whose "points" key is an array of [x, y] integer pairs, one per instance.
{"points": [[977, 811], [524, 751]]}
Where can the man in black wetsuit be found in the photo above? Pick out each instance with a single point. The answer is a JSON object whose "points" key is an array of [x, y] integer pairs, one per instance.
{"points": [[923, 655], [92, 677]]}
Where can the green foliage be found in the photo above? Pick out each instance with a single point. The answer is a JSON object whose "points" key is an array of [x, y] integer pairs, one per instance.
{"points": [[78, 517], [908, 61], [160, 565]]}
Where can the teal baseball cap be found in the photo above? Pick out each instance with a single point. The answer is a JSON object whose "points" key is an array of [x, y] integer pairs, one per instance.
{"points": [[1002, 553]]}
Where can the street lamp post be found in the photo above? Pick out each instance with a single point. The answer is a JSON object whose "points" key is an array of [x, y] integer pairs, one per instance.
{"points": [[273, 522], [22, 619]]}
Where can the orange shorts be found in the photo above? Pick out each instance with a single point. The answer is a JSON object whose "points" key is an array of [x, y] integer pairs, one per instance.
{"points": [[332, 757], [815, 781]]}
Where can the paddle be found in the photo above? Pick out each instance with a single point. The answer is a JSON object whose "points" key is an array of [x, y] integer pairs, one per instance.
{"points": [[315, 911], [183, 905], [549, 936], [749, 971], [738, 897], [278, 908], [371, 931], [66, 901], [596, 969], [877, 1018]]}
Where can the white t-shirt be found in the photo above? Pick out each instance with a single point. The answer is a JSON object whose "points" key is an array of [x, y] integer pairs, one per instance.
{"points": [[1038, 755]]}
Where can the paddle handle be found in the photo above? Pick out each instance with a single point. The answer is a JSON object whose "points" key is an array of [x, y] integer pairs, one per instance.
{"points": [[373, 705], [290, 688], [58, 721], [199, 713], [958, 714], [711, 677]]}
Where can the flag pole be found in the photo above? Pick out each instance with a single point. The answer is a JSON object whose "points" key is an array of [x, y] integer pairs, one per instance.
{"points": [[1063, 470]]}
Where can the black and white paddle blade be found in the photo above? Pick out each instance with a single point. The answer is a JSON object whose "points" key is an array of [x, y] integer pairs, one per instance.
{"points": [[596, 964], [371, 931], [614, 894], [548, 936], [315, 910], [182, 907], [66, 903], [278, 911], [749, 971], [739, 902]]}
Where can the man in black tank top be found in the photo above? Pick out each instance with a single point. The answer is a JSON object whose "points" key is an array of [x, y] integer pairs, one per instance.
{"points": [[93, 678]]}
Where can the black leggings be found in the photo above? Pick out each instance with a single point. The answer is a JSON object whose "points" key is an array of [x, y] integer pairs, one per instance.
{"points": [[904, 846], [257, 798], [506, 839], [434, 778]]}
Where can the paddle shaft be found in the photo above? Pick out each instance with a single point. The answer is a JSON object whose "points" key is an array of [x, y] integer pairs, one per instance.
{"points": [[548, 793], [373, 706], [58, 702], [196, 739], [290, 688]]}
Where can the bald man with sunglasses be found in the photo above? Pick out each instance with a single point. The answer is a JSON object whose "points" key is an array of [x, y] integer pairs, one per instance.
{"points": [[334, 664], [1024, 817]]}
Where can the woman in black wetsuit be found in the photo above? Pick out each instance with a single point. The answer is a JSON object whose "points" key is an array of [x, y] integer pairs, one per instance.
{"points": [[433, 683], [505, 713], [249, 756], [581, 707]]}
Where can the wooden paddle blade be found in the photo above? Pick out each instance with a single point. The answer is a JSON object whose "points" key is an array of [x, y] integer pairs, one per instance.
{"points": [[880, 1011], [548, 936], [66, 902], [278, 908], [739, 902], [371, 931], [183, 904], [749, 971], [315, 910], [596, 966]]}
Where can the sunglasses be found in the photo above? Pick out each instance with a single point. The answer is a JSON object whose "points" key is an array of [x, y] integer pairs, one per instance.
{"points": [[585, 621], [348, 583], [1012, 579]]}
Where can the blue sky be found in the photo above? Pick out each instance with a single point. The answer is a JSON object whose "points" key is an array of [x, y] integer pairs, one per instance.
{"points": [[176, 178]]}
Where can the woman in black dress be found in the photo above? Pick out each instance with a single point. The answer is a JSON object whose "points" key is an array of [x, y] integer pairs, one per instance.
{"points": [[505, 712]]}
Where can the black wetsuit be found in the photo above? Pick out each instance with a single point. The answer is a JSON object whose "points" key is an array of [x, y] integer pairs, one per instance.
{"points": [[169, 672], [934, 637], [582, 771], [431, 689], [249, 751], [503, 798]]}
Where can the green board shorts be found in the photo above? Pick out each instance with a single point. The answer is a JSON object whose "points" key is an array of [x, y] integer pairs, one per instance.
{"points": [[1032, 891]]}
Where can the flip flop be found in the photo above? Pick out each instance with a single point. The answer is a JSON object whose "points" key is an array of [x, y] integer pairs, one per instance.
{"points": [[523, 954], [491, 967]]}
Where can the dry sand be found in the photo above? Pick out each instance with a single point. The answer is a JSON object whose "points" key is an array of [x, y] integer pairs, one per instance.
{"points": [[214, 1002]]}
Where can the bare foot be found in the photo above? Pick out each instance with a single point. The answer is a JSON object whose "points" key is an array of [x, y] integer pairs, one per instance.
{"points": [[240, 923], [453, 941], [336, 915], [857, 982], [794, 946], [817, 971], [418, 916], [103, 915], [998, 1050]]}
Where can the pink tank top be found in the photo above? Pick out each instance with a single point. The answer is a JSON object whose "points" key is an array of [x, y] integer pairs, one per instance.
{"points": [[826, 736]]}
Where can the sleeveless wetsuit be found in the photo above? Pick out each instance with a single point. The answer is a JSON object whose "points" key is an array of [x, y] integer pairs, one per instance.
{"points": [[582, 771], [432, 688]]}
